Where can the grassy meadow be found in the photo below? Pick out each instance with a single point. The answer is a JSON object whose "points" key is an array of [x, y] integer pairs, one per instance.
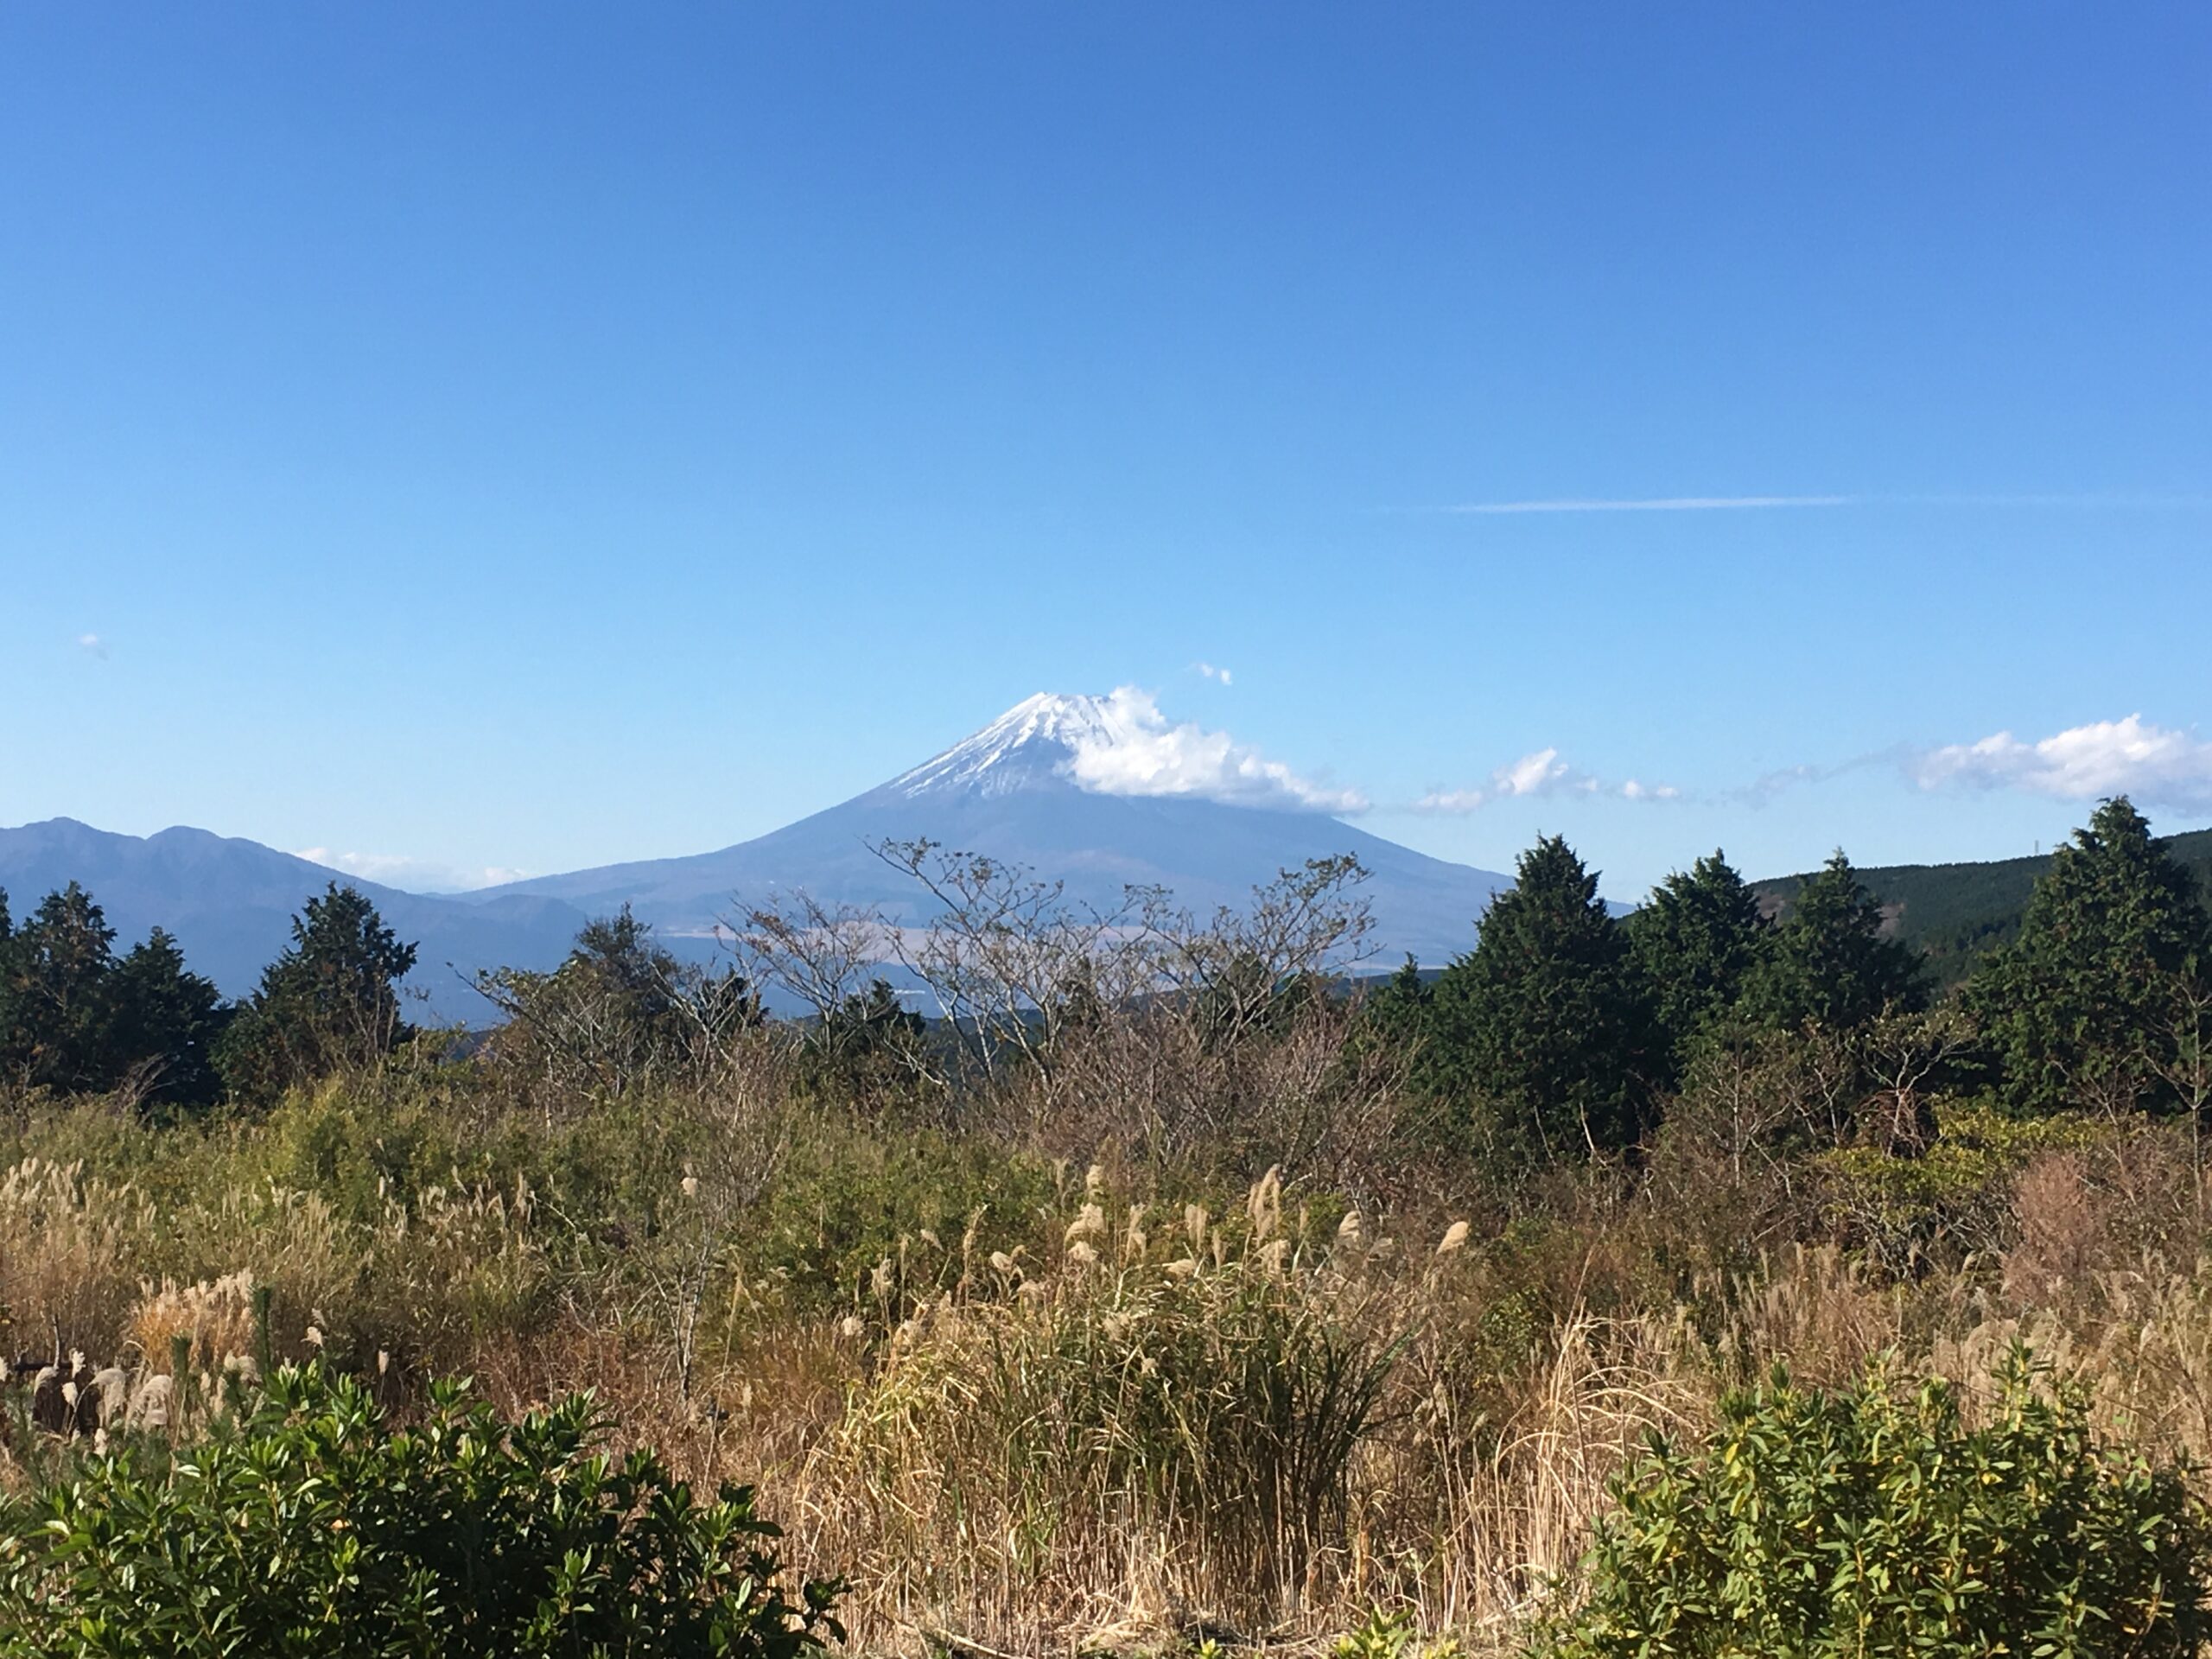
{"points": [[1030, 1403]]}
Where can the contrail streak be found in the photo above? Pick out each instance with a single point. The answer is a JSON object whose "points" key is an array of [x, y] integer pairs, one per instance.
{"points": [[1658, 503], [1743, 503]]}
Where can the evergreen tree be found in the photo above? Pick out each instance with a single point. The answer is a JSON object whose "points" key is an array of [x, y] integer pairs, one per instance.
{"points": [[2082, 1006], [1397, 1011], [627, 970], [164, 1022], [57, 966], [867, 1036], [74, 1018], [867, 1024], [620, 1010], [1832, 964], [329, 1003], [1244, 998], [1697, 942], [1540, 1027]]}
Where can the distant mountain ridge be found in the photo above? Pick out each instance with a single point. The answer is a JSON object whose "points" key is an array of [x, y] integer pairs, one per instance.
{"points": [[1026, 789], [1010, 790], [230, 902]]}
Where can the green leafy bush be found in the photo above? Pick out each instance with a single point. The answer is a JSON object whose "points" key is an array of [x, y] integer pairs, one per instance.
{"points": [[311, 1526], [1954, 1196], [1874, 1520], [1389, 1633]]}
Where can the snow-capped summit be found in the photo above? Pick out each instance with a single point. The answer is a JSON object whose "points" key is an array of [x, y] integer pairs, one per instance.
{"points": [[1119, 744], [1037, 744]]}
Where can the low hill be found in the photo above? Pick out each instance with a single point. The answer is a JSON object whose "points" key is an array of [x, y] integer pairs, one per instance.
{"points": [[1957, 913]]}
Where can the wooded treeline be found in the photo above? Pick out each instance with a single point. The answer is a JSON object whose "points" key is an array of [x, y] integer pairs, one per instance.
{"points": [[1564, 1031]]}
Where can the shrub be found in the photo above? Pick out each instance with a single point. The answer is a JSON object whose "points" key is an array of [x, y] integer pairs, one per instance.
{"points": [[1210, 1408], [311, 1527], [1390, 1633], [1956, 1197], [1873, 1520]]}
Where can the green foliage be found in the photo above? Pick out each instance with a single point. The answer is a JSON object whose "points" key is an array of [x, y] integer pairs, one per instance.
{"points": [[865, 1047], [74, 1018], [1390, 1634], [620, 1012], [850, 1201], [1875, 1520], [1396, 1012], [2107, 993], [166, 1021], [329, 1003], [1956, 1192], [1833, 964], [1543, 1026], [1697, 942], [312, 1527], [57, 968]]}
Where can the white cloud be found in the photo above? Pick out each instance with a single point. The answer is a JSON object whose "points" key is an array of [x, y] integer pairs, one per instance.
{"points": [[1656, 504], [1208, 672], [92, 645], [2155, 765], [1540, 773], [1135, 750], [409, 874]]}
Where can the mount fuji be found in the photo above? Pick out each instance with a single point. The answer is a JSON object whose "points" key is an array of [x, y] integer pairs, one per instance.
{"points": [[1098, 793]]}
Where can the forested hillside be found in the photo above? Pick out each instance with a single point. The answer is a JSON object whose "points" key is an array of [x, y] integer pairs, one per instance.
{"points": [[1955, 913]]}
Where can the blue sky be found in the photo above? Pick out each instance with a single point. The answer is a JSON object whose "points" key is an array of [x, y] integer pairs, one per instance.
{"points": [[524, 437]]}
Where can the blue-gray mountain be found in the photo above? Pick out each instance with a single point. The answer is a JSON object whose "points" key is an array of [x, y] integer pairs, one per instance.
{"points": [[1015, 790], [230, 902], [1022, 790]]}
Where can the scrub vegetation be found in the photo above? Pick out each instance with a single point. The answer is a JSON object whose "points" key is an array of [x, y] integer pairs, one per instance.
{"points": [[1703, 1282]]}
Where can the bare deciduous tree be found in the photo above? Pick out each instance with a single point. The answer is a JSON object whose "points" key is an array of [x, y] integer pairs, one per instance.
{"points": [[819, 954], [1135, 1022], [1901, 1054]]}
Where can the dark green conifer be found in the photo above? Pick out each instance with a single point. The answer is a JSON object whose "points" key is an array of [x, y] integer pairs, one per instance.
{"points": [[1697, 942], [2091, 1004], [1833, 964], [57, 966], [1539, 1031], [329, 1003], [164, 1021]]}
